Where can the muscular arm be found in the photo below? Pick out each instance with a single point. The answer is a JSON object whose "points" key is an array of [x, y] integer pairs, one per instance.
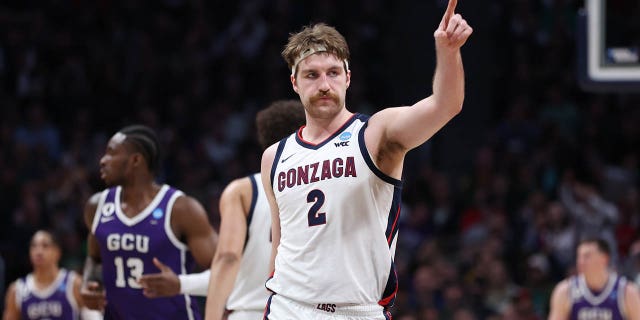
{"points": [[189, 220], [11, 311], [265, 169], [560, 307], [93, 296], [632, 301], [93, 250], [235, 204], [393, 132]]}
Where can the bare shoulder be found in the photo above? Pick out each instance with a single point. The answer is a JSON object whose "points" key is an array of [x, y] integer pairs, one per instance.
{"points": [[188, 206], [11, 290], [632, 301], [560, 303], [632, 290], [238, 192], [562, 287], [90, 208], [239, 188], [269, 154], [11, 310], [380, 119], [560, 294]]}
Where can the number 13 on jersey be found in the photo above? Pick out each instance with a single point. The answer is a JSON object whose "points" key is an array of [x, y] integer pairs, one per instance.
{"points": [[134, 266]]}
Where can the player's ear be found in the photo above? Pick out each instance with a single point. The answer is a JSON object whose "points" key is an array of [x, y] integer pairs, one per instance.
{"points": [[348, 78], [294, 83], [137, 159]]}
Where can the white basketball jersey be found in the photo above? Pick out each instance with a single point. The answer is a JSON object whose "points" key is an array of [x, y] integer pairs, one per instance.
{"points": [[249, 292], [338, 219]]}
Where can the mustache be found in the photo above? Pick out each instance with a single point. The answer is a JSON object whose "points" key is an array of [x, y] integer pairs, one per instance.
{"points": [[324, 95]]}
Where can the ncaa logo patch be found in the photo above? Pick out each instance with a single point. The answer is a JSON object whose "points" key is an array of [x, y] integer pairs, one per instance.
{"points": [[345, 136], [157, 213], [108, 209]]}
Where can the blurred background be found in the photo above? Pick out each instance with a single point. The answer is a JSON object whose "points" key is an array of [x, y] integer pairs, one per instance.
{"points": [[493, 204]]}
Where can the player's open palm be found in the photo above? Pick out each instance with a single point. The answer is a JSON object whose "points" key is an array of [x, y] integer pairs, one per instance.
{"points": [[453, 30]]}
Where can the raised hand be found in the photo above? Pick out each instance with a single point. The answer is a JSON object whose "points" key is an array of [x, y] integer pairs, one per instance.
{"points": [[163, 284], [453, 30]]}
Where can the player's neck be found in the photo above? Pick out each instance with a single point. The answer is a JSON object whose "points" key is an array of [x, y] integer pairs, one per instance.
{"points": [[318, 129], [597, 280], [43, 277], [139, 193]]}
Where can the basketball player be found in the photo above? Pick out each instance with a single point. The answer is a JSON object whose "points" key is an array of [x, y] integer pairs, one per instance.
{"points": [[334, 187], [596, 292], [49, 292], [136, 221], [240, 265]]}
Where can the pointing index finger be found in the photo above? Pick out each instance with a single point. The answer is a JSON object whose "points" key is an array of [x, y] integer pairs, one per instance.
{"points": [[451, 8]]}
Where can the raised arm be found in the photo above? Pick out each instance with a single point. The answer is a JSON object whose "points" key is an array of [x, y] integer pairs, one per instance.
{"points": [[265, 170], [394, 131], [560, 307], [92, 293], [189, 220], [235, 203]]}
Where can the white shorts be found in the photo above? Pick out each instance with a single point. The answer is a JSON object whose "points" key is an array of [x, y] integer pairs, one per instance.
{"points": [[246, 315], [281, 308]]}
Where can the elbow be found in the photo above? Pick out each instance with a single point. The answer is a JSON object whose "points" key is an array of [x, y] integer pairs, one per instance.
{"points": [[459, 103], [457, 108], [451, 105], [227, 258]]}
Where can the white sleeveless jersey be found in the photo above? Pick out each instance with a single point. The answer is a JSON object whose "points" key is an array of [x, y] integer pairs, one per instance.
{"points": [[338, 219], [249, 292]]}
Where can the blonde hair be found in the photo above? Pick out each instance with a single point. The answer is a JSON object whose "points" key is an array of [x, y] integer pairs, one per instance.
{"points": [[312, 39]]}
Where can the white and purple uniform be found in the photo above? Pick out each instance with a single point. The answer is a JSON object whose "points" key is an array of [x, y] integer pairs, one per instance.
{"points": [[605, 305], [127, 248], [55, 302]]}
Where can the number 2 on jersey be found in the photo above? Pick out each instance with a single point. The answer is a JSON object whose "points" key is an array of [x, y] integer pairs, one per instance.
{"points": [[135, 267], [316, 218]]}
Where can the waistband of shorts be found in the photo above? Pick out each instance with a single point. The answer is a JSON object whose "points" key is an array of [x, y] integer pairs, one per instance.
{"points": [[362, 310]]}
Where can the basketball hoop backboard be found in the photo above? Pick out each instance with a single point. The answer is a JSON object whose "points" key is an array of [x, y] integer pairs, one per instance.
{"points": [[609, 46]]}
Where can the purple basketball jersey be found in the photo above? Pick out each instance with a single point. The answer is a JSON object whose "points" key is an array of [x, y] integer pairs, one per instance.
{"points": [[55, 302], [128, 246], [605, 305]]}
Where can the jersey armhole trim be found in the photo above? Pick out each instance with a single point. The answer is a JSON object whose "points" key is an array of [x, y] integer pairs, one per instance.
{"points": [[622, 292], [254, 198], [167, 222], [20, 287], [71, 276], [98, 213], [367, 159], [277, 156]]}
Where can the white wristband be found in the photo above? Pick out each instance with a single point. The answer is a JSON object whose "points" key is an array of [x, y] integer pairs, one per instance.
{"points": [[195, 283]]}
